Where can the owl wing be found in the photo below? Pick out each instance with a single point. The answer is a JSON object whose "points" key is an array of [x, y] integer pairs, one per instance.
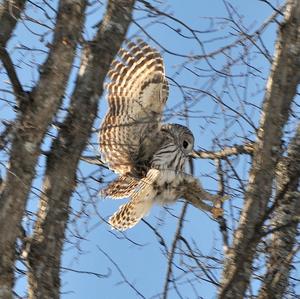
{"points": [[137, 93], [122, 187]]}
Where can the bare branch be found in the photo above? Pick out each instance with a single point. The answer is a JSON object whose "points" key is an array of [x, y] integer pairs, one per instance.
{"points": [[122, 274], [221, 220], [62, 161], [95, 160], [98, 275], [206, 272], [30, 128], [222, 154], [280, 91], [275, 281], [10, 12], [227, 151], [171, 254], [11, 72]]}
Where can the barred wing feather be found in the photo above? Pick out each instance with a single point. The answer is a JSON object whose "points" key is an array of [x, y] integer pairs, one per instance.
{"points": [[137, 93]]}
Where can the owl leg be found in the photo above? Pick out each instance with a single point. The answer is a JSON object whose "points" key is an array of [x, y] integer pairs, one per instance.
{"points": [[194, 193], [201, 205], [215, 198], [216, 210], [193, 188]]}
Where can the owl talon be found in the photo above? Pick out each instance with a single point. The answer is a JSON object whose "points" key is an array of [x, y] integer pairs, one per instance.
{"points": [[217, 212], [224, 198], [218, 201]]}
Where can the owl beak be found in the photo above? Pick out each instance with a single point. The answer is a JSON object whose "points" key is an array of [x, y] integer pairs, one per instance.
{"points": [[194, 154]]}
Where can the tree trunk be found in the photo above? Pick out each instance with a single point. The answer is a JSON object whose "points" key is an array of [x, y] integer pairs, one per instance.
{"points": [[284, 223], [280, 91], [45, 248], [35, 114]]}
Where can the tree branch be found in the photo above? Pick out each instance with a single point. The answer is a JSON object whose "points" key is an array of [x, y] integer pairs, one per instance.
{"points": [[11, 73], [62, 161], [30, 127], [10, 12], [246, 148], [172, 251], [276, 278], [95, 160], [280, 91], [221, 220]]}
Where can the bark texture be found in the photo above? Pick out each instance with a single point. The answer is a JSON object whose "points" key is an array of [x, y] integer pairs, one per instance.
{"points": [[280, 91], [285, 222], [10, 12], [44, 254], [35, 113]]}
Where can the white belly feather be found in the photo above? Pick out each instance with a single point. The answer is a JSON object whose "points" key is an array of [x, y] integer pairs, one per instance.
{"points": [[165, 185]]}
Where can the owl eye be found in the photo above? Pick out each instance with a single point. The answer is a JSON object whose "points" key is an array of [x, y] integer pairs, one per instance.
{"points": [[185, 144]]}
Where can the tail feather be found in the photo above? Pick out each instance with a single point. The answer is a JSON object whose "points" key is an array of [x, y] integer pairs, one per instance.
{"points": [[122, 187], [142, 200], [129, 214]]}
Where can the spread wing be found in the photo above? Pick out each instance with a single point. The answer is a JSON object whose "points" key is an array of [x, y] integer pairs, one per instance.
{"points": [[137, 93]]}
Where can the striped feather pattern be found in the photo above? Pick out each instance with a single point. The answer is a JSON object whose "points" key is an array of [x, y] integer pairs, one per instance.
{"points": [[149, 156], [137, 93], [142, 201], [120, 188]]}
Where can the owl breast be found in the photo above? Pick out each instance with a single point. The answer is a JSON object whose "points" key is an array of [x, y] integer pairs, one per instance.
{"points": [[167, 186]]}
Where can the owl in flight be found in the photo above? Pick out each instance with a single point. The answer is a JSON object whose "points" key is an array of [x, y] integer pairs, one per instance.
{"points": [[148, 156]]}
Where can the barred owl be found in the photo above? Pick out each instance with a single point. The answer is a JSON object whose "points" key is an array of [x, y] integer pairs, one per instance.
{"points": [[148, 156]]}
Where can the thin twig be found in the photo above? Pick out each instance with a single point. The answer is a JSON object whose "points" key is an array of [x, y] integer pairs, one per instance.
{"points": [[121, 273], [246, 148], [98, 275], [96, 160], [11, 73], [172, 252], [206, 271], [221, 220]]}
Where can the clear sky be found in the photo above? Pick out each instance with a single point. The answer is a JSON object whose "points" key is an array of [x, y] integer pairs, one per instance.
{"points": [[138, 252]]}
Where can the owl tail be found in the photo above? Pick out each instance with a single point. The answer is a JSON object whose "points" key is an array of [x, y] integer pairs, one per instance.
{"points": [[142, 201], [130, 214], [122, 187]]}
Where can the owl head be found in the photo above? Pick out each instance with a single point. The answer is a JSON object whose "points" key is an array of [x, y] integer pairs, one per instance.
{"points": [[182, 137]]}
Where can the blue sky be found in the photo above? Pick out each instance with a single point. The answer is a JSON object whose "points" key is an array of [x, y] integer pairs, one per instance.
{"points": [[138, 253]]}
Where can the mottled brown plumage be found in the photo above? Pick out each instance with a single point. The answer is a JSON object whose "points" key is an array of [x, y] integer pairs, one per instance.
{"points": [[137, 93], [149, 156]]}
